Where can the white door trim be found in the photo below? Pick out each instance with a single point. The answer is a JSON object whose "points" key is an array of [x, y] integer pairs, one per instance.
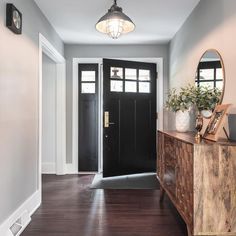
{"points": [[72, 168], [46, 47]]}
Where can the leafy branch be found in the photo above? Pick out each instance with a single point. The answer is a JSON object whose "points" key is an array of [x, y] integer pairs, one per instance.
{"points": [[202, 98]]}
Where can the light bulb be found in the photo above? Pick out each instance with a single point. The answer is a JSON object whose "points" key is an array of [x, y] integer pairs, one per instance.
{"points": [[115, 28]]}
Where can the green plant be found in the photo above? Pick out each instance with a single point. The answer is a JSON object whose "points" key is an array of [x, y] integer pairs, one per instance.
{"points": [[181, 101], [202, 98]]}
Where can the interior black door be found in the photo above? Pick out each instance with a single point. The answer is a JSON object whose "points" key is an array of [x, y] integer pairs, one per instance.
{"points": [[129, 103], [88, 117]]}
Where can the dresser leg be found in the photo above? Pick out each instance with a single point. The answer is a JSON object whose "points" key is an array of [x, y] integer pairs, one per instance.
{"points": [[162, 194], [189, 231]]}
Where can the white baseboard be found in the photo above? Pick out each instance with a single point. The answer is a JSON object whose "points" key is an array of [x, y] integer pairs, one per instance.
{"points": [[48, 168], [29, 206], [71, 170]]}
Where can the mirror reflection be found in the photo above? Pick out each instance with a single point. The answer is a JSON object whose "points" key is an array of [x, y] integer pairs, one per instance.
{"points": [[210, 71]]}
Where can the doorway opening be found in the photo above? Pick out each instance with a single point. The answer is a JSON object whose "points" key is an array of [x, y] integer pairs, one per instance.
{"points": [[75, 125], [56, 68], [48, 115]]}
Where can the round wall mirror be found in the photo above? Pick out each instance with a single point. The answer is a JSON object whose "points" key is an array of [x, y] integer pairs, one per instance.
{"points": [[210, 71]]}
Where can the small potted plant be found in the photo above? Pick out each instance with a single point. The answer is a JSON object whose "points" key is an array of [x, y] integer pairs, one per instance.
{"points": [[202, 98], [180, 103]]}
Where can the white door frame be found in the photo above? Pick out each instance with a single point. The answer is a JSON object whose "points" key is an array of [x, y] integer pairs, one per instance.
{"points": [[73, 167], [46, 47]]}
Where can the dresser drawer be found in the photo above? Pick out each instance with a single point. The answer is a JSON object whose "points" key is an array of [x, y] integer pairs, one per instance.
{"points": [[169, 165], [184, 179]]}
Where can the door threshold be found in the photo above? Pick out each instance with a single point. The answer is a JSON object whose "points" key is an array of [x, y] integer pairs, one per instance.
{"points": [[87, 172]]}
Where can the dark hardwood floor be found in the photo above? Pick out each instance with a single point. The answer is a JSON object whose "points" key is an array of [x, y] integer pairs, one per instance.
{"points": [[71, 208]]}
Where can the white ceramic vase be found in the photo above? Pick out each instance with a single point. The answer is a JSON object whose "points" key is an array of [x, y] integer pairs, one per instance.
{"points": [[182, 121]]}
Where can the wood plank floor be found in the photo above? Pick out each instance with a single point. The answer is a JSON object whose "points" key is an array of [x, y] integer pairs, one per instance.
{"points": [[71, 208]]}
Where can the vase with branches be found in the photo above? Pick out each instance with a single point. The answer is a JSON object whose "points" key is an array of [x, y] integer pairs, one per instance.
{"points": [[202, 99]]}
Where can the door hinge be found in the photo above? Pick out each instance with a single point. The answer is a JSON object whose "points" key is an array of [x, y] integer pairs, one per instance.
{"points": [[157, 75], [157, 115]]}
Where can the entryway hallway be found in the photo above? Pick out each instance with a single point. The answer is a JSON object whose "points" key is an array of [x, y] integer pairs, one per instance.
{"points": [[71, 208]]}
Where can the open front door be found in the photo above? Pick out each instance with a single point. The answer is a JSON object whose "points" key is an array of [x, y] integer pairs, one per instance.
{"points": [[129, 120]]}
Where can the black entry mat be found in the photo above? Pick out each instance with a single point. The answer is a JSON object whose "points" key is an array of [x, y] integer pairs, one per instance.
{"points": [[136, 181]]}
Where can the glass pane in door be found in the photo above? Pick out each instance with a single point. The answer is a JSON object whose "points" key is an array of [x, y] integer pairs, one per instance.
{"points": [[131, 74], [144, 87], [116, 86], [144, 74], [130, 86], [88, 76], [88, 88], [116, 73]]}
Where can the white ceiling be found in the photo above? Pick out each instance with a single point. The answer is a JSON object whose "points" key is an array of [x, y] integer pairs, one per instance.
{"points": [[156, 21]]}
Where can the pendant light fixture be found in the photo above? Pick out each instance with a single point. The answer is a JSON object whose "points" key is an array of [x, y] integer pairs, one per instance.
{"points": [[115, 22]]}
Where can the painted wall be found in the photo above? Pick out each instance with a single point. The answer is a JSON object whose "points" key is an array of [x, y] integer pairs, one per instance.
{"points": [[19, 60], [49, 115], [211, 25], [106, 51]]}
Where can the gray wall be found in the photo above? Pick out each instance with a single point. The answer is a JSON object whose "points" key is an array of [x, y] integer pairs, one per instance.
{"points": [[211, 25], [106, 51], [49, 113], [19, 71]]}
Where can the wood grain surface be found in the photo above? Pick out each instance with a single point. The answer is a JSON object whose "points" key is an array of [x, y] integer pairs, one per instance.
{"points": [[71, 208], [203, 181], [215, 190]]}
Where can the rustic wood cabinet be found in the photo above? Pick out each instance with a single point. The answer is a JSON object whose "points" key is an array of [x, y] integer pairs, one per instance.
{"points": [[200, 180]]}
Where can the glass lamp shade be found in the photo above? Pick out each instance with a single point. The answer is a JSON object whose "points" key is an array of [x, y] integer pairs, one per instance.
{"points": [[115, 23]]}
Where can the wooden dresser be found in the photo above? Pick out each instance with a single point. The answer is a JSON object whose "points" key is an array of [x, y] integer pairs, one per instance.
{"points": [[200, 180]]}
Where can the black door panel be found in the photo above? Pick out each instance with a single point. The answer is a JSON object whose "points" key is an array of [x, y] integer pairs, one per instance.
{"points": [[88, 118], [129, 141]]}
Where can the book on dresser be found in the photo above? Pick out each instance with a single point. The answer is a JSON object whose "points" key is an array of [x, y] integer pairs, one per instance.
{"points": [[200, 180]]}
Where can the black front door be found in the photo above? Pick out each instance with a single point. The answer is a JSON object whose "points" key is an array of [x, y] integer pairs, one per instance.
{"points": [[88, 117], [129, 103]]}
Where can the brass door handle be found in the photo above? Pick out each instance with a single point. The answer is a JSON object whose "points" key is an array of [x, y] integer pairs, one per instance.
{"points": [[106, 119], [107, 123]]}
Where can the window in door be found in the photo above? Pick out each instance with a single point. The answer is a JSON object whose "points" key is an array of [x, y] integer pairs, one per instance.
{"points": [[130, 80], [88, 82]]}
